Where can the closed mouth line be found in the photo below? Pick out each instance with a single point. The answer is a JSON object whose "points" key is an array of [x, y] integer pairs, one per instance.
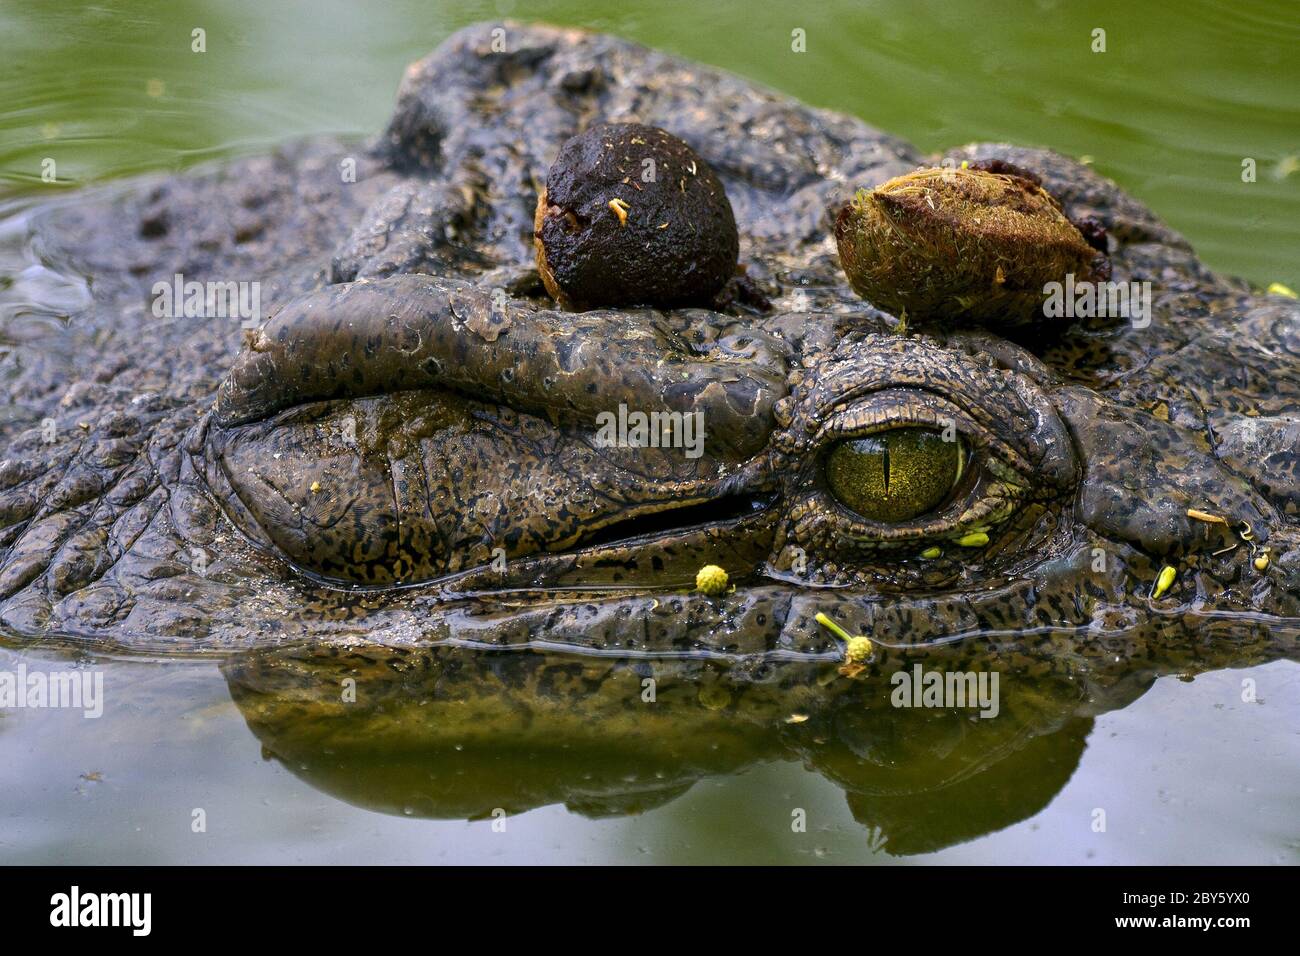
{"points": [[675, 520]]}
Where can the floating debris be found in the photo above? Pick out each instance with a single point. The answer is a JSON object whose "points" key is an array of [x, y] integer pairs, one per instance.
{"points": [[857, 647], [961, 245], [680, 249], [1164, 581], [620, 209], [711, 580]]}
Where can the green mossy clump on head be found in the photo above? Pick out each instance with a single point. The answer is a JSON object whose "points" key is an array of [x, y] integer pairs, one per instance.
{"points": [[961, 246], [631, 215]]}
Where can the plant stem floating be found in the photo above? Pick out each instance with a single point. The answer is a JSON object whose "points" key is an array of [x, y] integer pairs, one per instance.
{"points": [[631, 215], [962, 246]]}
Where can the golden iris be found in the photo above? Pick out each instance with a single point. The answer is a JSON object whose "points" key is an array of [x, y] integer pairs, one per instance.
{"points": [[896, 475]]}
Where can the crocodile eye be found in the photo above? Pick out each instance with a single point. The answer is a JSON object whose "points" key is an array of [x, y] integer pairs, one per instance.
{"points": [[896, 475]]}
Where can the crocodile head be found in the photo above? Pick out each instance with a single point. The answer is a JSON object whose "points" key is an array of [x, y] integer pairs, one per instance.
{"points": [[418, 450]]}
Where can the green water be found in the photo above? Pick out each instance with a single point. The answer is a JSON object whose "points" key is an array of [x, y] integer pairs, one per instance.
{"points": [[1184, 92], [1189, 772]]}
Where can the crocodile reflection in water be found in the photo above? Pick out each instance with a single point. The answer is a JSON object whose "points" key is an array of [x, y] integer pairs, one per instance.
{"points": [[453, 733], [345, 476]]}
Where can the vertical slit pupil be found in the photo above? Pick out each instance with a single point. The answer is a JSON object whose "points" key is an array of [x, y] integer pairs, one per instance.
{"points": [[895, 475]]}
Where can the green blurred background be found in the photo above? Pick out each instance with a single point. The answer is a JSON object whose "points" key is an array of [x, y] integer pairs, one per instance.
{"points": [[1184, 92]]}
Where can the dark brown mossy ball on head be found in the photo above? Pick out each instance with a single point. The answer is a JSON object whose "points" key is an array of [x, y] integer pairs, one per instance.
{"points": [[962, 246], [632, 216]]}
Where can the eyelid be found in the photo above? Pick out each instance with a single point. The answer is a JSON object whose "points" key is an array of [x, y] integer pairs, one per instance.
{"points": [[900, 408]]}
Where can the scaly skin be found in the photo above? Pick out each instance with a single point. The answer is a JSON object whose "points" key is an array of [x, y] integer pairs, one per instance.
{"points": [[330, 491]]}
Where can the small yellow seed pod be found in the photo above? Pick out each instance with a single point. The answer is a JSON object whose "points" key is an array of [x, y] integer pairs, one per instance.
{"points": [[858, 649], [711, 580], [1164, 581]]}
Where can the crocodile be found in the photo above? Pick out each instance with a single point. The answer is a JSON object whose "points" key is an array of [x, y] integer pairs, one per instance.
{"points": [[435, 732], [396, 467]]}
